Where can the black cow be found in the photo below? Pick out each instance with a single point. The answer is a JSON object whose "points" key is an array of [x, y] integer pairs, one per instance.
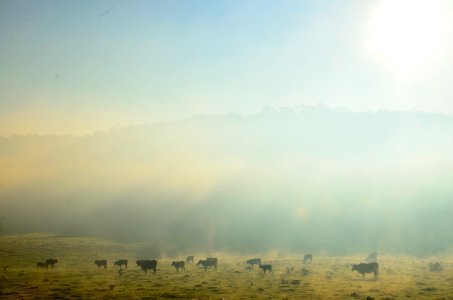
{"points": [[51, 262], [121, 262], [266, 268], [41, 265], [367, 268], [179, 265], [254, 261], [189, 259], [101, 263], [147, 264], [308, 257], [372, 257], [209, 262]]}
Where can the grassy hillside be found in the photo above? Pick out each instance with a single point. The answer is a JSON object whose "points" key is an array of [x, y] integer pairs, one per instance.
{"points": [[76, 276], [310, 176]]}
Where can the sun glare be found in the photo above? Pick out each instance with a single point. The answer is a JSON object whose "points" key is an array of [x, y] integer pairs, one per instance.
{"points": [[409, 36]]}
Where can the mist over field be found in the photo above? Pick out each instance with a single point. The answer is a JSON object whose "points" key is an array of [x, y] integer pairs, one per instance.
{"points": [[311, 178]]}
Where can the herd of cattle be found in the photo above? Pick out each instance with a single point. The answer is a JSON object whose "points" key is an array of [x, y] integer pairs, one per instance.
{"points": [[369, 266]]}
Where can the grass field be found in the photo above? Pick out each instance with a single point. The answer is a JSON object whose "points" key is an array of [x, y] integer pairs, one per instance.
{"points": [[76, 276]]}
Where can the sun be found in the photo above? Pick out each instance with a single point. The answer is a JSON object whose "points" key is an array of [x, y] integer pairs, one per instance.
{"points": [[409, 36]]}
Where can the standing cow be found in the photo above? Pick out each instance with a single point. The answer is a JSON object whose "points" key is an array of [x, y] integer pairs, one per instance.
{"points": [[209, 262], [308, 257], [101, 263], [363, 268], [179, 265], [372, 257], [146, 264], [254, 261], [189, 259], [51, 262], [121, 262], [266, 268]]}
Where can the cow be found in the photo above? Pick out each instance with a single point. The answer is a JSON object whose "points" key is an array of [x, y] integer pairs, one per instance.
{"points": [[189, 259], [372, 257], [308, 257], [147, 264], [254, 261], [101, 263], [363, 268], [41, 265], [266, 268], [209, 262], [51, 262], [435, 267], [121, 262], [179, 265]]}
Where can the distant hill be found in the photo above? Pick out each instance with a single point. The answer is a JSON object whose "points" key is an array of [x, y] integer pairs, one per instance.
{"points": [[305, 178]]}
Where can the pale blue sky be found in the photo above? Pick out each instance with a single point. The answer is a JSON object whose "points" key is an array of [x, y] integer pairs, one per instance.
{"points": [[78, 66]]}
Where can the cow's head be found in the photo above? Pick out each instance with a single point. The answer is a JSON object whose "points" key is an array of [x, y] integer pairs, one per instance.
{"points": [[354, 267]]}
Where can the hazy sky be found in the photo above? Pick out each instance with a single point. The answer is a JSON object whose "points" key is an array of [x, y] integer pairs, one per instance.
{"points": [[79, 66]]}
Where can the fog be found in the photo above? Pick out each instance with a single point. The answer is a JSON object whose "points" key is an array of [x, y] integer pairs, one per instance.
{"points": [[309, 178]]}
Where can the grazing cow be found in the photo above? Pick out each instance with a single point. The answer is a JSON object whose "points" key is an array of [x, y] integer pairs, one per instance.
{"points": [[41, 265], [101, 263], [121, 262], [266, 268], [147, 264], [367, 268], [51, 262], [372, 257], [209, 262], [308, 257], [254, 261], [179, 265], [435, 267], [189, 259]]}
